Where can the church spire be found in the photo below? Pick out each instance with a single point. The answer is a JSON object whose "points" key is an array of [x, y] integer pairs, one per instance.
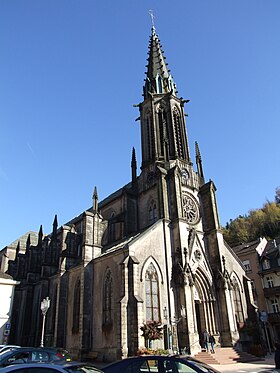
{"points": [[95, 200], [198, 161], [159, 79], [18, 248], [40, 236], [55, 224], [162, 118], [133, 166]]}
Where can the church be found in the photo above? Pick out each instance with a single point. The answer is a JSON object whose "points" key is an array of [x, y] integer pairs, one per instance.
{"points": [[152, 251]]}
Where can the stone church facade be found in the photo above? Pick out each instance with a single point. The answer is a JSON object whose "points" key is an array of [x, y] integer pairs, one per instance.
{"points": [[152, 250]]}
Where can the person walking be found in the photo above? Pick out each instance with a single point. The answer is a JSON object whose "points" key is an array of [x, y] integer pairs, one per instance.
{"points": [[212, 343], [206, 337], [277, 355]]}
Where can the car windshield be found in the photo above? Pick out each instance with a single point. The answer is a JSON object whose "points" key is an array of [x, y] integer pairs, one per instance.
{"points": [[5, 353], [194, 364]]}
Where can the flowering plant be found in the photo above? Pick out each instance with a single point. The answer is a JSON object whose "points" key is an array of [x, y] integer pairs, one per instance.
{"points": [[150, 351], [151, 330]]}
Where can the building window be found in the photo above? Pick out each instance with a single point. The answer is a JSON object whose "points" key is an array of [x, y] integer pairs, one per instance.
{"points": [[150, 137], [178, 132], [76, 307], [112, 228], [163, 131], [159, 84], [266, 264], [237, 303], [254, 291], [152, 212], [107, 299], [247, 265], [152, 294], [274, 305], [270, 281], [184, 177]]}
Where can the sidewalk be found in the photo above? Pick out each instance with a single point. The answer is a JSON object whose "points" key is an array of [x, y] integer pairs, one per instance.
{"points": [[266, 365]]}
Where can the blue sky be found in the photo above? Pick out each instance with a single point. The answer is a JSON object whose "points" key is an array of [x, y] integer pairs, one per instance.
{"points": [[71, 70]]}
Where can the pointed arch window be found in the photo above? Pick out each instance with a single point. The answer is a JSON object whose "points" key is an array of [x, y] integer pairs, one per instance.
{"points": [[152, 294], [76, 307], [178, 132], [163, 135], [159, 84], [150, 137], [107, 299], [53, 307], [237, 303], [152, 212], [112, 228]]}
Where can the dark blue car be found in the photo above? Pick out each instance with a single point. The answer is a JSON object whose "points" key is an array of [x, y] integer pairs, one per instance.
{"points": [[159, 364]]}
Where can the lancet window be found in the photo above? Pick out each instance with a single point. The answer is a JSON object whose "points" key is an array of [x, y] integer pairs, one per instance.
{"points": [[152, 212], [162, 122], [159, 84], [237, 302], [178, 132], [150, 137], [152, 294], [112, 228], [107, 299], [76, 307]]}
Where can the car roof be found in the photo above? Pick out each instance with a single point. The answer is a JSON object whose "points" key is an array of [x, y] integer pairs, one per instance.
{"points": [[57, 365], [187, 358], [51, 349], [5, 354]]}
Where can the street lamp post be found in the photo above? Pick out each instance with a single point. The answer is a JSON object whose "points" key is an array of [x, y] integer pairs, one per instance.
{"points": [[264, 320], [45, 305], [168, 331]]}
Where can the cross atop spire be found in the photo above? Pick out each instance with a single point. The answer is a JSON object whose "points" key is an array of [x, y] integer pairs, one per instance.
{"points": [[153, 18]]}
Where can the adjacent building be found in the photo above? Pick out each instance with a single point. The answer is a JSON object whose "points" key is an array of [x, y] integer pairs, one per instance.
{"points": [[270, 275], [7, 285], [250, 254]]}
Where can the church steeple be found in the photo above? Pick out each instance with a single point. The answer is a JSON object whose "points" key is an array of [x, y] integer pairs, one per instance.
{"points": [[163, 129], [159, 79]]}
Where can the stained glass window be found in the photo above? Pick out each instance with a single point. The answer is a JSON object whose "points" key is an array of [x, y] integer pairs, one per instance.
{"points": [[237, 303], [76, 307], [152, 294], [107, 299]]}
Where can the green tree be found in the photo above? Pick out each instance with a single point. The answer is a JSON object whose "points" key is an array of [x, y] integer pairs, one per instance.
{"points": [[277, 195], [264, 222]]}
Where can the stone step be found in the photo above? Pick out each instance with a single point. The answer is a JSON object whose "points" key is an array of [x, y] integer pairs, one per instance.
{"points": [[225, 355]]}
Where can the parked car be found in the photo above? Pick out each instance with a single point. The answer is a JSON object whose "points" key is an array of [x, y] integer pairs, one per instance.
{"points": [[63, 367], [7, 347], [33, 354], [159, 364]]}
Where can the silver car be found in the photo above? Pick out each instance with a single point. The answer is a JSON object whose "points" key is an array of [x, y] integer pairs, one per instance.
{"points": [[63, 367]]}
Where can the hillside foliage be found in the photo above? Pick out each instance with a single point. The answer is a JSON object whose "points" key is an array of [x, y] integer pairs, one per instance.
{"points": [[263, 222]]}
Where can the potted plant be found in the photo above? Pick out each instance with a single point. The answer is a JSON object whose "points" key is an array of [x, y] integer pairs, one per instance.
{"points": [[151, 330]]}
